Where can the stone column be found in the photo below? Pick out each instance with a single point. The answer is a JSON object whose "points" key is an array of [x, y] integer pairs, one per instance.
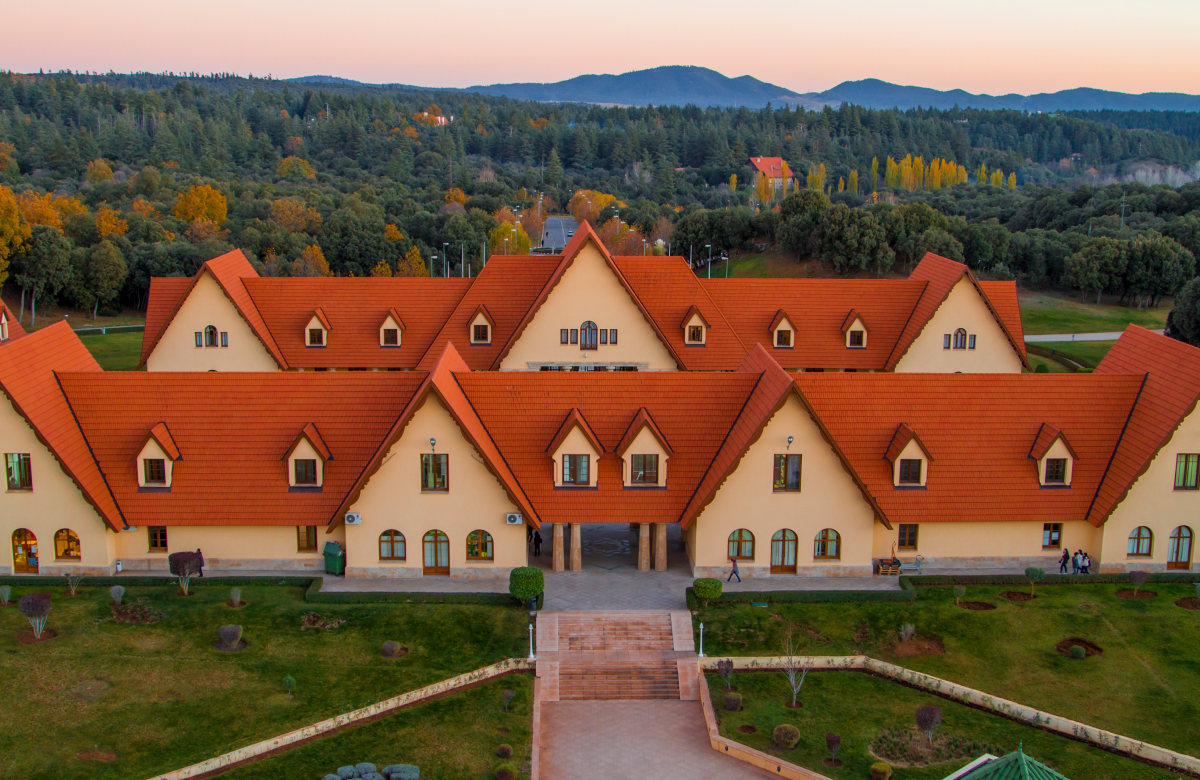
{"points": [[644, 547], [558, 547], [660, 546], [576, 549]]}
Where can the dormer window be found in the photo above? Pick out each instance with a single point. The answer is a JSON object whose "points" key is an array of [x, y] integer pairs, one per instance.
{"points": [[909, 458], [316, 337], [695, 334], [783, 332], [575, 470], [643, 469], [317, 330], [644, 452], [855, 330], [389, 330], [156, 459], [154, 471], [783, 338], [1056, 471], [574, 452], [306, 471], [3, 326], [1054, 456], [910, 471], [391, 337], [695, 328], [482, 327], [858, 339], [306, 460]]}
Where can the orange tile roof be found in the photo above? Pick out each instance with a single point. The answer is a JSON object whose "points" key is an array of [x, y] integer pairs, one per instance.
{"points": [[772, 166], [165, 297], [321, 318], [233, 430], [900, 439], [162, 435], [30, 376], [1170, 373], [574, 419], [643, 420], [355, 309], [1046, 436], [15, 331], [310, 434], [1003, 298]]}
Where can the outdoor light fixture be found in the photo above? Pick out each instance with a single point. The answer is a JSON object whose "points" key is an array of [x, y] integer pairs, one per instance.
{"points": [[432, 442], [790, 440]]}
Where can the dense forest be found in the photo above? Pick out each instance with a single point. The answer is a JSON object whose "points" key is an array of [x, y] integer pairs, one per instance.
{"points": [[108, 180]]}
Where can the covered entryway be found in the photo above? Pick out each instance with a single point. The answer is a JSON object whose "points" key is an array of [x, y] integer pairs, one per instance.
{"points": [[25, 552], [436, 553], [1179, 549]]}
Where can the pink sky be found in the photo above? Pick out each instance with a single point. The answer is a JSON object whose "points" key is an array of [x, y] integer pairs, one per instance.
{"points": [[1023, 46]]}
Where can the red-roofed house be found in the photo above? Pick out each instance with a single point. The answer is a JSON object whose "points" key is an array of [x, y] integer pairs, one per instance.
{"points": [[772, 168]]}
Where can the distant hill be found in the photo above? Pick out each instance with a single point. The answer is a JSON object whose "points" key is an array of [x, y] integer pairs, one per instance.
{"points": [[327, 80], [874, 93], [670, 85]]}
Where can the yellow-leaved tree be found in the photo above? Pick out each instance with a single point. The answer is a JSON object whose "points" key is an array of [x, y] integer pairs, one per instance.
{"points": [[763, 189], [98, 171], [1012, 180], [982, 176], [412, 264], [874, 182], [392, 233], [39, 209], [201, 202], [733, 182], [311, 262], [456, 195], [13, 234], [144, 208], [295, 216], [382, 269], [109, 222], [852, 184], [509, 239], [997, 178], [293, 167]]}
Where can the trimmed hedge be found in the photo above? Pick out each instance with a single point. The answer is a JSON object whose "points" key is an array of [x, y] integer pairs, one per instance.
{"points": [[150, 581], [906, 593], [943, 580], [386, 597]]}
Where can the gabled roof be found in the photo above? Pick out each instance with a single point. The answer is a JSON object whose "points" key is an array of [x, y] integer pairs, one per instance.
{"points": [[162, 437], [694, 311], [772, 166], [164, 299], [310, 434], [29, 369], [483, 310], [642, 420], [1013, 766], [780, 316], [1046, 436], [228, 270], [442, 382], [394, 316], [321, 318], [851, 317], [15, 331], [900, 439], [1170, 373], [574, 419]]}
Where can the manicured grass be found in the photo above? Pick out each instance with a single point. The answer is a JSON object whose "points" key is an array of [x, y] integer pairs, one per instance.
{"points": [[1051, 313], [1142, 686], [1090, 353], [115, 351], [1053, 366], [451, 738], [170, 698]]}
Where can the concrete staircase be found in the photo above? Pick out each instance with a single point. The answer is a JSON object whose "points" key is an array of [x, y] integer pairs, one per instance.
{"points": [[618, 680], [582, 631]]}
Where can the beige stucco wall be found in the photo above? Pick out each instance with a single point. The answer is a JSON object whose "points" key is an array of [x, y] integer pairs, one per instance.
{"points": [[576, 444], [1154, 502], [984, 544], [828, 499], [589, 290], [392, 498], [226, 547], [55, 502], [963, 308], [208, 305], [644, 443]]}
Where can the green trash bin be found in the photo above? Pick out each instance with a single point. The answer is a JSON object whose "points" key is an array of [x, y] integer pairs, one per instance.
{"points": [[335, 558]]}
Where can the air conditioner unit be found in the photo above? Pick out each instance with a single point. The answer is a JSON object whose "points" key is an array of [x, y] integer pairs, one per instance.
{"points": [[514, 518], [353, 518]]}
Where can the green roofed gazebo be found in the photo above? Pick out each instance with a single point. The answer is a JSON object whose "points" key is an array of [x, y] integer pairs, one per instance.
{"points": [[1013, 766]]}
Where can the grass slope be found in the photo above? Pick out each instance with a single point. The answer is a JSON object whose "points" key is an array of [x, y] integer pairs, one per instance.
{"points": [[1050, 313], [115, 351], [169, 698], [1090, 353]]}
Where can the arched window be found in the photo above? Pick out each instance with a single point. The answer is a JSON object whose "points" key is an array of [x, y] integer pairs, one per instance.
{"points": [[783, 552], [960, 339], [391, 546], [1141, 542], [436, 558], [827, 546], [741, 545], [66, 545], [479, 546], [25, 552], [587, 335], [1179, 548], [210, 336]]}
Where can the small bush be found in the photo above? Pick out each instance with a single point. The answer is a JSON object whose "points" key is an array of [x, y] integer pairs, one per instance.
{"points": [[504, 751], [725, 669], [1137, 579], [73, 582], [833, 743], [391, 649], [235, 596], [959, 592], [184, 566], [786, 736], [402, 772], [289, 684], [881, 771], [117, 592], [907, 631], [230, 636], [707, 589], [733, 702], [525, 583], [506, 772], [1077, 652], [6, 591], [35, 607]]}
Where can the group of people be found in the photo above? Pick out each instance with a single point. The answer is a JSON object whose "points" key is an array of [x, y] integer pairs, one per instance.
{"points": [[1081, 562]]}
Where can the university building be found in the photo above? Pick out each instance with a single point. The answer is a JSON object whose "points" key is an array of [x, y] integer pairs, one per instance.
{"points": [[805, 427]]}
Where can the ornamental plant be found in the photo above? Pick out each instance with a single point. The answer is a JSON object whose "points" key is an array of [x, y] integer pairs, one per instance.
{"points": [[507, 697], [733, 702], [230, 635], [185, 565], [289, 684], [35, 607], [6, 591], [525, 583], [235, 597], [117, 592], [707, 589], [725, 669], [959, 592], [1137, 579], [73, 582], [1077, 652], [1034, 575], [881, 771], [786, 736], [504, 751], [833, 743], [928, 719]]}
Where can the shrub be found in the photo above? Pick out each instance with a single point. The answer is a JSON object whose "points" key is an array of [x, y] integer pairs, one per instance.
{"points": [[117, 592], [707, 589], [73, 582], [959, 592], [881, 771], [289, 684], [1041, 368], [725, 669], [507, 696], [907, 631], [504, 751], [235, 596], [184, 566], [786, 736], [402, 772], [833, 743], [35, 607], [6, 591], [230, 636], [733, 702], [332, 777], [364, 768], [391, 649], [347, 772], [1077, 652], [506, 772], [928, 719], [1034, 575], [1137, 579], [525, 583]]}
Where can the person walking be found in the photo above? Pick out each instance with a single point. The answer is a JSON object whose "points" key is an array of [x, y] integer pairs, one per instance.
{"points": [[1075, 561], [537, 543], [1087, 564], [734, 571], [1063, 561]]}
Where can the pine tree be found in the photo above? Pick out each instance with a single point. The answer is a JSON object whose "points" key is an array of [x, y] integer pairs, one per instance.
{"points": [[554, 173]]}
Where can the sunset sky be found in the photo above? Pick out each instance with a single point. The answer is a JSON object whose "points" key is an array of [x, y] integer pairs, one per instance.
{"points": [[1023, 46]]}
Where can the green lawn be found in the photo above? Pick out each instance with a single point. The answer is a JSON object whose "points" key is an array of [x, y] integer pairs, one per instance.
{"points": [[857, 707], [1090, 353], [454, 738], [115, 351], [162, 696], [1049, 313], [1142, 686], [1052, 366]]}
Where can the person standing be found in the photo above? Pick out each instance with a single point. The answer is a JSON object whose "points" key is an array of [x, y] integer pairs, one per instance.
{"points": [[537, 543], [1075, 562], [1087, 564], [734, 571], [1063, 561]]}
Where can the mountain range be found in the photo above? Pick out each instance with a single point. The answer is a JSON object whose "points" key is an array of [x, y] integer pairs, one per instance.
{"points": [[685, 84]]}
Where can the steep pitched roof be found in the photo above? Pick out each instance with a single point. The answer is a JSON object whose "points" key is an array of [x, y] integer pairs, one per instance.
{"points": [[355, 309], [642, 420], [772, 166], [232, 428], [573, 420], [162, 436], [321, 318], [482, 309], [1013, 766], [165, 297], [1046, 436], [310, 434], [229, 270], [694, 311], [15, 331], [900, 439], [29, 376], [780, 317], [1170, 373], [851, 317], [394, 316]]}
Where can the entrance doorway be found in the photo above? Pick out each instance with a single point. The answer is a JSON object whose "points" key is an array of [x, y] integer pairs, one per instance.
{"points": [[1179, 549], [25, 552], [436, 553], [783, 552]]}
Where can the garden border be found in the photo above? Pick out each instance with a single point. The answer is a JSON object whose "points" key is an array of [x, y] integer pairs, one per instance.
{"points": [[907, 592]]}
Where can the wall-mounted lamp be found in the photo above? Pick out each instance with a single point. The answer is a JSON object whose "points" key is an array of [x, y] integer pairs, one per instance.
{"points": [[432, 442], [790, 440]]}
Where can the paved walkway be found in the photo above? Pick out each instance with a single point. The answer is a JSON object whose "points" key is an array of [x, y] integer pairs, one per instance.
{"points": [[585, 740], [1112, 335]]}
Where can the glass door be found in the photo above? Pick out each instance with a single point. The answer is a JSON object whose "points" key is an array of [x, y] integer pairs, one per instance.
{"points": [[25, 552], [436, 553], [783, 552]]}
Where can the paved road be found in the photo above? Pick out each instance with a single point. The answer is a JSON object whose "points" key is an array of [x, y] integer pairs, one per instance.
{"points": [[1105, 336]]}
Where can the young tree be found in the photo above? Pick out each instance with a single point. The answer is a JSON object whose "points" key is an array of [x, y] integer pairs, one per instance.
{"points": [[412, 264], [725, 670], [874, 181], [184, 565], [554, 170], [795, 668], [36, 608], [1137, 579], [311, 262], [382, 269], [928, 719], [1034, 575], [105, 273]]}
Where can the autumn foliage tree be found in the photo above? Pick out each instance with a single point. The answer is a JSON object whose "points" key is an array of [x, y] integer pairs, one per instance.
{"points": [[509, 239], [311, 262], [295, 168], [382, 269], [109, 222], [12, 232], [98, 171], [455, 195], [392, 233], [201, 202], [295, 216], [412, 264]]}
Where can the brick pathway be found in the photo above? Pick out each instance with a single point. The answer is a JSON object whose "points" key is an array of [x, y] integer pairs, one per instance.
{"points": [[649, 739]]}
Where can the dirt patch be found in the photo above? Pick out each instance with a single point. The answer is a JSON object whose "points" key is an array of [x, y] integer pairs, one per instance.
{"points": [[832, 763], [1017, 596], [235, 604], [863, 635], [1089, 649], [224, 648], [89, 690], [137, 612], [1139, 595], [919, 645], [910, 747], [26, 637], [812, 633], [746, 728], [1190, 602], [97, 755], [976, 606], [799, 705], [321, 622]]}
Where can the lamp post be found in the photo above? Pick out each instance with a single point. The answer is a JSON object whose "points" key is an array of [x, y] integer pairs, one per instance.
{"points": [[701, 640], [446, 258], [709, 248], [432, 264], [531, 655]]}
